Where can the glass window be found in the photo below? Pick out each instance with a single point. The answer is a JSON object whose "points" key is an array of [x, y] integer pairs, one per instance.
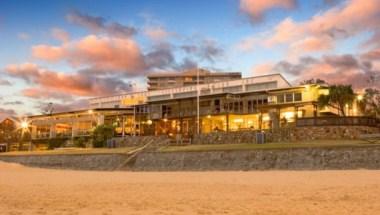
{"points": [[289, 97], [265, 100], [297, 97], [280, 98]]}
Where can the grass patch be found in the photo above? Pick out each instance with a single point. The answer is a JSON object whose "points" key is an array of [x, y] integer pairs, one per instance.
{"points": [[72, 151], [285, 145]]}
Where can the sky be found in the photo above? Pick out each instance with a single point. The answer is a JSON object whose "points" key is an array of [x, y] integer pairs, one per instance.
{"points": [[64, 52]]}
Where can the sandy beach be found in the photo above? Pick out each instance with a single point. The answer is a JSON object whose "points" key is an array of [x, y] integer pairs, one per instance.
{"points": [[25, 190]]}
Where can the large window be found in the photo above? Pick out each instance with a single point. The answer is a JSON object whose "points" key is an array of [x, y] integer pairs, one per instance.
{"points": [[280, 98], [289, 97], [297, 97]]}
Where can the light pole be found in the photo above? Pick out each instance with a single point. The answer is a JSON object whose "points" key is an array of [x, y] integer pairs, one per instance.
{"points": [[198, 126]]}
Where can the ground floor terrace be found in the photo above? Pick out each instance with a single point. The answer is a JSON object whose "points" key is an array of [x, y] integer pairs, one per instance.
{"points": [[140, 122], [186, 117]]}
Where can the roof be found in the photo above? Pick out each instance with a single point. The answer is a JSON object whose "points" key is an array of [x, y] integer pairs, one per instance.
{"points": [[192, 72], [3, 118], [81, 111]]}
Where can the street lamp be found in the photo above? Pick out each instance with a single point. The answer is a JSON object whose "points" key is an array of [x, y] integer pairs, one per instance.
{"points": [[197, 100], [24, 124]]}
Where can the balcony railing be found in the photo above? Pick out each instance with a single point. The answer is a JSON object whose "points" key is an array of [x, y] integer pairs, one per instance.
{"points": [[338, 121]]}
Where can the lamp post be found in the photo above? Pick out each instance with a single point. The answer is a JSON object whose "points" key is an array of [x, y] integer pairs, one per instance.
{"points": [[198, 126]]}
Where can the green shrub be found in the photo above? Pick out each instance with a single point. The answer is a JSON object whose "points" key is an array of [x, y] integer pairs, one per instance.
{"points": [[101, 134], [56, 143], [80, 142]]}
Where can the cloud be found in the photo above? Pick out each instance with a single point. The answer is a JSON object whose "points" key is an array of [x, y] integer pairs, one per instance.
{"points": [[372, 55], [39, 93], [157, 33], [256, 8], [312, 44], [4, 82], [60, 34], [160, 57], [323, 30], [4, 113], [263, 69], [340, 69], [100, 25], [98, 52], [60, 107], [57, 83], [23, 36], [206, 49], [14, 103]]}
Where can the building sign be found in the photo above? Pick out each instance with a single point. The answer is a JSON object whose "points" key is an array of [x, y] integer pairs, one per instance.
{"points": [[134, 100]]}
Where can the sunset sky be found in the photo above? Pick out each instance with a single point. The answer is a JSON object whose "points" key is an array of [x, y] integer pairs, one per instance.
{"points": [[66, 51]]}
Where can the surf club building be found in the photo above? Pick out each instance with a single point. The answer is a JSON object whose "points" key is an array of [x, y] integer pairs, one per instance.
{"points": [[253, 103]]}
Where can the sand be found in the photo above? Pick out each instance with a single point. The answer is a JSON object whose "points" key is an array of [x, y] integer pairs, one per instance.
{"points": [[25, 190]]}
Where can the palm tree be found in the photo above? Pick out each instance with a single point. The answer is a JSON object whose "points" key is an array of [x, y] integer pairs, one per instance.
{"points": [[339, 97]]}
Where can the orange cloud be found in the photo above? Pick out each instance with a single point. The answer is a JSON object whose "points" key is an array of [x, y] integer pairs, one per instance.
{"points": [[102, 53], [263, 69], [323, 30], [50, 53], [256, 8], [56, 84]]}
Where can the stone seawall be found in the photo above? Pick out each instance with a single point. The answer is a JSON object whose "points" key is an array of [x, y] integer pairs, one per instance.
{"points": [[74, 161], [366, 157], [289, 134], [279, 159]]}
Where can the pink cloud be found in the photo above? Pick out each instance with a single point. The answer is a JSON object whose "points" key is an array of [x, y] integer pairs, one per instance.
{"points": [[102, 53], [60, 34], [335, 69], [61, 85], [256, 8], [50, 53], [157, 33], [323, 30], [263, 69]]}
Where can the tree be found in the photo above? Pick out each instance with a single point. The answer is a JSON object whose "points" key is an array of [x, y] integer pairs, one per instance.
{"points": [[313, 81], [101, 134], [370, 103], [339, 97]]}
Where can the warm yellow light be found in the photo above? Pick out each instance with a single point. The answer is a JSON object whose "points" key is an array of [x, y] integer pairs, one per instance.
{"points": [[360, 97], [165, 120], [90, 111], [149, 122], [266, 118], [209, 116], [24, 124], [307, 87], [288, 115], [239, 120]]}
